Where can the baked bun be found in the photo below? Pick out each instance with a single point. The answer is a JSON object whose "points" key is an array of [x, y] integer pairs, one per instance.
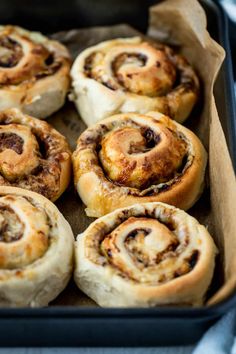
{"points": [[34, 72], [36, 248], [132, 75], [132, 158], [145, 255], [33, 155]]}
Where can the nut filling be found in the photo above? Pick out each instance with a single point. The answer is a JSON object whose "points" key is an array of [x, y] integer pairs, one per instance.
{"points": [[10, 52], [144, 69], [11, 141], [24, 232], [11, 227], [31, 154], [144, 246], [142, 159], [26, 62], [145, 255]]}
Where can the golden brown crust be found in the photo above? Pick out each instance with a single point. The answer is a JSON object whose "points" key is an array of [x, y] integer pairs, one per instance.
{"points": [[33, 155], [145, 255], [34, 72], [36, 249], [132, 75], [132, 158]]}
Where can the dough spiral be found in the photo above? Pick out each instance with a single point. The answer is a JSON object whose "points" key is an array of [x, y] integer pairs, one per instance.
{"points": [[34, 72], [33, 155], [145, 255], [132, 158], [36, 249], [132, 75]]}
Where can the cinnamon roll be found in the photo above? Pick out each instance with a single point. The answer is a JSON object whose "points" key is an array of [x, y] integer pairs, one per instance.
{"points": [[36, 249], [33, 155], [132, 75], [34, 72], [132, 158], [145, 255]]}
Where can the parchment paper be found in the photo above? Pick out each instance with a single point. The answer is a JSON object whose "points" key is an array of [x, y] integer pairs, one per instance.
{"points": [[184, 22], [181, 23]]}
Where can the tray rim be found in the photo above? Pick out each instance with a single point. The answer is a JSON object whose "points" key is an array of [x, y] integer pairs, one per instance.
{"points": [[228, 77], [208, 312]]}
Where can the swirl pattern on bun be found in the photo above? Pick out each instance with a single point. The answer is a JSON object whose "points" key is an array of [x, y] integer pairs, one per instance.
{"points": [[36, 249], [34, 72], [132, 158], [145, 255], [133, 75], [33, 155]]}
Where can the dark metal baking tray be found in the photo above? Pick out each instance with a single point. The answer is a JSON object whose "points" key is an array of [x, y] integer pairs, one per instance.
{"points": [[75, 326]]}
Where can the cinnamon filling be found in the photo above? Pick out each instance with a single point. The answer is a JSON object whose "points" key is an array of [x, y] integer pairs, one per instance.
{"points": [[88, 65], [152, 165], [134, 243], [136, 233], [193, 259], [40, 155], [152, 139], [156, 258], [51, 66], [11, 141], [11, 228], [188, 265], [121, 59], [127, 58], [42, 62], [146, 160], [148, 69], [10, 52]]}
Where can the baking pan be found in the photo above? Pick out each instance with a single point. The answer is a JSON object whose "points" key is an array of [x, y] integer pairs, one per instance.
{"points": [[80, 326]]}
